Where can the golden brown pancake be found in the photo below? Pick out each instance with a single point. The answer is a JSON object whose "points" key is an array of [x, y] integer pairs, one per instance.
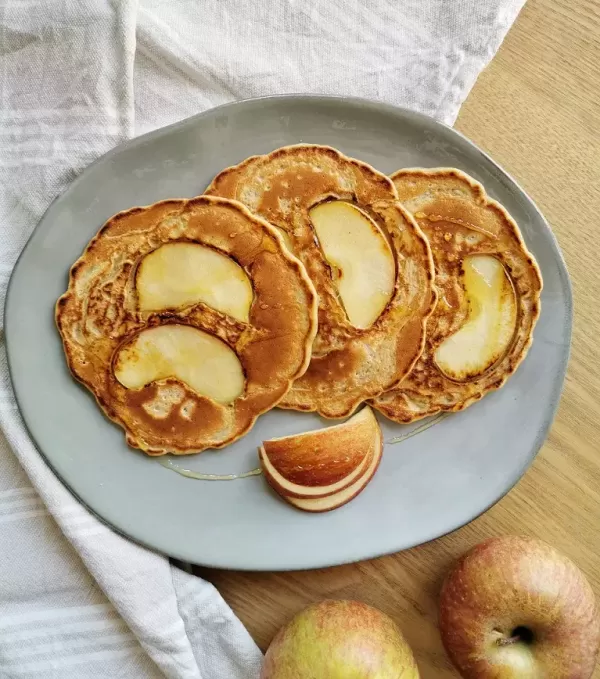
{"points": [[462, 224], [103, 326], [349, 363]]}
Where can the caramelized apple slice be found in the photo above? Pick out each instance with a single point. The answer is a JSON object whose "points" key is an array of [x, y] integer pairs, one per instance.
{"points": [[182, 273], [203, 362], [362, 263], [490, 326]]}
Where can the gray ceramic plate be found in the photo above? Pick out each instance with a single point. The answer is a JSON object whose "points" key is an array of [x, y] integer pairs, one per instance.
{"points": [[426, 486]]}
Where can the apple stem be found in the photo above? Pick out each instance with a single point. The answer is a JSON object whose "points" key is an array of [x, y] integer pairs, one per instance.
{"points": [[507, 641]]}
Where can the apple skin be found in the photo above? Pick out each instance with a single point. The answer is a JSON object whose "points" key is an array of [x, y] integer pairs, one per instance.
{"points": [[321, 462], [340, 640], [342, 497], [512, 582], [334, 464]]}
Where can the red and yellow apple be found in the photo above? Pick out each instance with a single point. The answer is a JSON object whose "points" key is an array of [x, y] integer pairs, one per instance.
{"points": [[516, 608], [340, 640], [321, 470]]}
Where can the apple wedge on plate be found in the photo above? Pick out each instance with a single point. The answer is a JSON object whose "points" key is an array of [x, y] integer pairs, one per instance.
{"points": [[321, 470]]}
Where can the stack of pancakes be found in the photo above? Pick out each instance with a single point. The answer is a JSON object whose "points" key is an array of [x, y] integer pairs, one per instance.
{"points": [[302, 279]]}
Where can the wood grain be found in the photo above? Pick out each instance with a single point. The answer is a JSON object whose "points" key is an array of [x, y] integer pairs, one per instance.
{"points": [[536, 110]]}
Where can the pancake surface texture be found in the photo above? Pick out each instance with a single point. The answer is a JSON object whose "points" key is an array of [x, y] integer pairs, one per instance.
{"points": [[489, 289], [342, 219], [187, 319]]}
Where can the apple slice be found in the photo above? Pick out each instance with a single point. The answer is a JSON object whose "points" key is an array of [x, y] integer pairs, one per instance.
{"points": [[320, 462], [490, 326], [362, 262], [183, 273], [203, 362], [329, 502], [324, 464]]}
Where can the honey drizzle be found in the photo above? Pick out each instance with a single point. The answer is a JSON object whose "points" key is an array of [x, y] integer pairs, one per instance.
{"points": [[420, 429], [191, 474]]}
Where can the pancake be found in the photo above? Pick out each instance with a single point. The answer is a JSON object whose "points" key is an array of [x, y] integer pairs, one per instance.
{"points": [[352, 361], [467, 230], [187, 319]]}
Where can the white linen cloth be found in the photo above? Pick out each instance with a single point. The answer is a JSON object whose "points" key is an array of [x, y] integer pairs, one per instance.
{"points": [[78, 77]]}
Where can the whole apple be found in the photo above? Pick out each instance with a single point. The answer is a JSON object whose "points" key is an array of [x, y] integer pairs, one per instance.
{"points": [[516, 608], [340, 640]]}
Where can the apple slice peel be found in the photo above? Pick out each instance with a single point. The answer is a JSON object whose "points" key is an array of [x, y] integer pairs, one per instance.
{"points": [[321, 470]]}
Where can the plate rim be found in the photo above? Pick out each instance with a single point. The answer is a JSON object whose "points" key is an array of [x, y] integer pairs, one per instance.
{"points": [[363, 103]]}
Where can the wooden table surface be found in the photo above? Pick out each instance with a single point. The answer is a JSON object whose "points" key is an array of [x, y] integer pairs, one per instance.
{"points": [[536, 110]]}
